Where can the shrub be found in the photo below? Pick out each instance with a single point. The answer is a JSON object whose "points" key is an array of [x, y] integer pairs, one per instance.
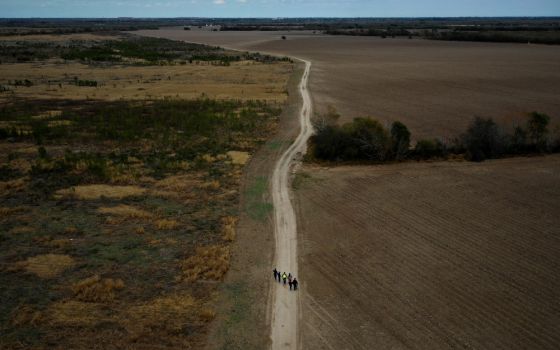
{"points": [[369, 138], [482, 140], [429, 148], [400, 138], [518, 141], [537, 130], [362, 139]]}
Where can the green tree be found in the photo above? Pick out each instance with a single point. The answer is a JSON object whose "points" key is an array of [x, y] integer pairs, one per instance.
{"points": [[482, 140], [369, 138], [400, 137], [537, 130]]}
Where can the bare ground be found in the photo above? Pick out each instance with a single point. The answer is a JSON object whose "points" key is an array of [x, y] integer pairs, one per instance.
{"points": [[431, 255], [434, 87]]}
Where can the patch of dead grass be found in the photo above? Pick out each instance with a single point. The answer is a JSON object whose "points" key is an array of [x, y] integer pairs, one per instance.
{"points": [[179, 183], [228, 228], [166, 224], [8, 211], [97, 289], [168, 314], [209, 263], [47, 265], [238, 157], [126, 211], [21, 230], [88, 192], [26, 315], [13, 186], [76, 313]]}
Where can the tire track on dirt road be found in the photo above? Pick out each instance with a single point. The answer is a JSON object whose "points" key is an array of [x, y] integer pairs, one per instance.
{"points": [[285, 304]]}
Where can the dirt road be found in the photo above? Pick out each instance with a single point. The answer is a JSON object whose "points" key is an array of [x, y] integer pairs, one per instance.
{"points": [[285, 303]]}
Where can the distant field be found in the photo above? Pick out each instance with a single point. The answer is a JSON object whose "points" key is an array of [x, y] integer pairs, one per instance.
{"points": [[45, 75], [431, 255], [241, 80], [434, 87]]}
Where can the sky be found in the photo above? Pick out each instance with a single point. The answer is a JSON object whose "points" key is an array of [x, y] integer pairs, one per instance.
{"points": [[277, 8]]}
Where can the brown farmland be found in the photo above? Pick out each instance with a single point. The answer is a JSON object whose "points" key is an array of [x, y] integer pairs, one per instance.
{"points": [[434, 87], [431, 255], [424, 255]]}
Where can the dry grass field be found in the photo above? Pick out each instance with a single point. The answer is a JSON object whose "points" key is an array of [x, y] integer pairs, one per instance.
{"points": [[241, 80], [434, 87], [119, 201], [431, 255]]}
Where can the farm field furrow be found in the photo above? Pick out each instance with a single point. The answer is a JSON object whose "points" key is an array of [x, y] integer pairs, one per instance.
{"points": [[431, 255], [434, 87]]}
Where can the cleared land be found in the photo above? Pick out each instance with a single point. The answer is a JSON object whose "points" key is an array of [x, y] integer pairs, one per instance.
{"points": [[434, 87], [431, 255]]}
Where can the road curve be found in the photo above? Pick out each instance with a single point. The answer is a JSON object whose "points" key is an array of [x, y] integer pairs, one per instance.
{"points": [[285, 303]]}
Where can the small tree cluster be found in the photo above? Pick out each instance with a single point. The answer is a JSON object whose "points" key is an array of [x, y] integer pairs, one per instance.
{"points": [[365, 139], [362, 139]]}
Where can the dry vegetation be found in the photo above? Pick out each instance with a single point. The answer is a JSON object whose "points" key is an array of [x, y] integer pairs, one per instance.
{"points": [[246, 80], [431, 255], [113, 213]]}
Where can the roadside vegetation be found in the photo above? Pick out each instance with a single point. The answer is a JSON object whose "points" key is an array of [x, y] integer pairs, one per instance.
{"points": [[366, 139]]}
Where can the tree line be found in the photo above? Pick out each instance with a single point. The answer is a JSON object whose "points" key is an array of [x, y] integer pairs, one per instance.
{"points": [[366, 139]]}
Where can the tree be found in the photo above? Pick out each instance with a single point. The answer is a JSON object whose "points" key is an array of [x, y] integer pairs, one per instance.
{"points": [[482, 140], [429, 148], [537, 129], [400, 138], [518, 143], [369, 138]]}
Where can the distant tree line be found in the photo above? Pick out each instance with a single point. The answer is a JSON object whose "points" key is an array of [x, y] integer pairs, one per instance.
{"points": [[128, 50], [365, 139], [548, 37]]}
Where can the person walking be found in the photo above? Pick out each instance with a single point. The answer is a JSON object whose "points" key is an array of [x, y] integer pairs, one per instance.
{"points": [[275, 273], [290, 283], [284, 277], [295, 283], [279, 277]]}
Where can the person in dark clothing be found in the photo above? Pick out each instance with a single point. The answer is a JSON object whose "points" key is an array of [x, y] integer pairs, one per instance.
{"points": [[279, 277], [295, 283], [275, 273], [290, 283]]}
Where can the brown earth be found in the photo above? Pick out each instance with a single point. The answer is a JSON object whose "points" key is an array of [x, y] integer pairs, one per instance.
{"points": [[434, 87], [431, 255], [423, 255]]}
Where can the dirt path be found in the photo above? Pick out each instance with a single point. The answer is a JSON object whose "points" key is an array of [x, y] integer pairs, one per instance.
{"points": [[285, 303]]}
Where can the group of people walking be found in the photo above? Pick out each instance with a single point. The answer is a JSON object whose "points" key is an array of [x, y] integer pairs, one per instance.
{"points": [[283, 277]]}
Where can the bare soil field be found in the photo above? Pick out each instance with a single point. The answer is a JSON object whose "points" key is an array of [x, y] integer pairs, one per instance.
{"points": [[434, 87], [431, 255]]}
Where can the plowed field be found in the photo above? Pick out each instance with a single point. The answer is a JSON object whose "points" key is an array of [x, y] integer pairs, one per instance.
{"points": [[431, 255], [434, 87]]}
